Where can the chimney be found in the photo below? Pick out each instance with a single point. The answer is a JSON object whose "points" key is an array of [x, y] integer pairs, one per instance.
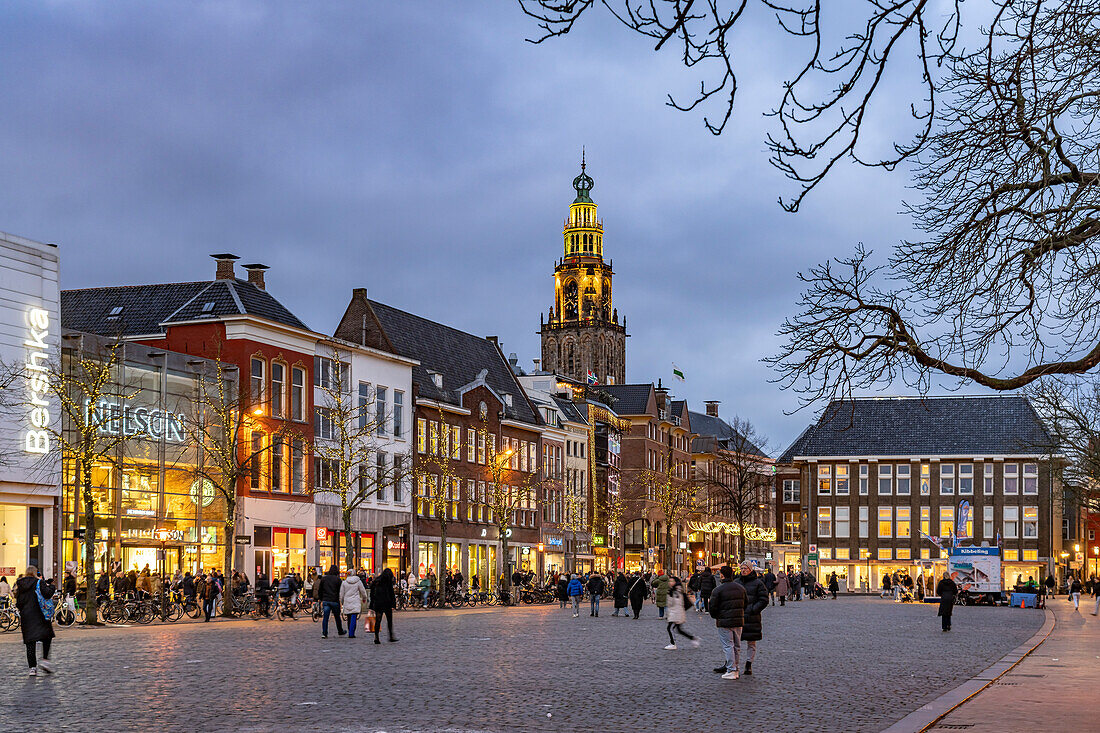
{"points": [[536, 362], [712, 407], [507, 399], [437, 379], [256, 274], [513, 359], [662, 397], [225, 266], [493, 340]]}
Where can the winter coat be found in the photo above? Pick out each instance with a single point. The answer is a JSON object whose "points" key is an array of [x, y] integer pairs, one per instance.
{"points": [[707, 582], [834, 586], [596, 585], [693, 582], [946, 590], [621, 589], [576, 587], [782, 587], [756, 600], [769, 581], [661, 584], [382, 597], [352, 595], [330, 588], [676, 613], [727, 605], [210, 588], [32, 623], [636, 590], [563, 586]]}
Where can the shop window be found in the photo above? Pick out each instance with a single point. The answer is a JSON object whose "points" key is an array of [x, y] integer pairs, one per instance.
{"points": [[824, 521], [824, 480], [842, 480], [885, 553], [903, 480], [1012, 479], [1031, 478], [1011, 521], [947, 521], [261, 536], [903, 516], [863, 475], [987, 479], [843, 520], [902, 553], [947, 479], [966, 479], [1031, 521], [885, 521], [885, 481]]}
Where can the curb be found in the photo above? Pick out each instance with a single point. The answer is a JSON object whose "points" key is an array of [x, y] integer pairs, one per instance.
{"points": [[927, 715]]}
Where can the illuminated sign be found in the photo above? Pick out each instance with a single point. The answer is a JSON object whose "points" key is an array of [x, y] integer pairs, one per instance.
{"points": [[553, 541], [396, 545], [161, 535], [113, 418], [751, 531], [598, 539], [203, 492], [141, 512], [322, 534], [37, 439]]}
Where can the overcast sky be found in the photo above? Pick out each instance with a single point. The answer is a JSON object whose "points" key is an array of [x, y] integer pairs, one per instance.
{"points": [[424, 151]]}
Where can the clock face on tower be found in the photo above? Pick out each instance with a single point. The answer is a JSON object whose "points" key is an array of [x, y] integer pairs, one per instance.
{"points": [[570, 301]]}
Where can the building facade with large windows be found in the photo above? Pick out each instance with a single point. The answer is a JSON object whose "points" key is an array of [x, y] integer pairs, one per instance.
{"points": [[889, 484]]}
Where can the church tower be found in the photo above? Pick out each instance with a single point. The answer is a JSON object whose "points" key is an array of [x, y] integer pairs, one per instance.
{"points": [[583, 337]]}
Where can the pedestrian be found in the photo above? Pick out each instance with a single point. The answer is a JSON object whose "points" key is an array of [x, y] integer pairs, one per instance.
{"points": [[727, 607], [425, 589], [1049, 583], [679, 600], [330, 600], [620, 590], [382, 601], [782, 587], [1075, 593], [770, 581], [5, 592], [263, 600], [693, 588], [352, 595], [1096, 597], [796, 586], [563, 586], [575, 590], [834, 585], [660, 595], [210, 592], [707, 584], [595, 588], [637, 593], [102, 585], [32, 598], [756, 600], [946, 590]]}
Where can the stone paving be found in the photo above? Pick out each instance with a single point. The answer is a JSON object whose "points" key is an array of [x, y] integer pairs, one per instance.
{"points": [[856, 664]]}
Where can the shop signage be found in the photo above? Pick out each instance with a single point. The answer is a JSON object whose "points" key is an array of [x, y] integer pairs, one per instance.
{"points": [[322, 534], [751, 531], [141, 512], [114, 418], [396, 545], [203, 492], [597, 539], [812, 558], [242, 539], [160, 535], [37, 439], [526, 550], [553, 541]]}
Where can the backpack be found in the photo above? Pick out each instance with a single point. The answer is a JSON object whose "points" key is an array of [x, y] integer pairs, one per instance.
{"points": [[45, 604]]}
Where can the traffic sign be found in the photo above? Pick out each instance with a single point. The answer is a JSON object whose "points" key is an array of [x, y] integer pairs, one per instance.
{"points": [[812, 558]]}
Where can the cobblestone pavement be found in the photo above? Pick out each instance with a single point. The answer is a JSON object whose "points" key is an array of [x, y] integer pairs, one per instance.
{"points": [[856, 664]]}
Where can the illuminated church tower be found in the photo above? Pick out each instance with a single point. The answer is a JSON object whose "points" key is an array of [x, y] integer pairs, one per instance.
{"points": [[583, 337]]}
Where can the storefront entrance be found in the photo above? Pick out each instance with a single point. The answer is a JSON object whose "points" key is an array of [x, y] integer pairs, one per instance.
{"points": [[139, 557]]}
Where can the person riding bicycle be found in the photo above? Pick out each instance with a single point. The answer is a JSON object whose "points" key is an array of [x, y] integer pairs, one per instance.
{"points": [[424, 588], [288, 588]]}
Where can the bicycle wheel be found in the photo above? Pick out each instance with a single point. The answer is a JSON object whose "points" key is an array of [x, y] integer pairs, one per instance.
{"points": [[175, 612], [193, 610], [64, 617]]}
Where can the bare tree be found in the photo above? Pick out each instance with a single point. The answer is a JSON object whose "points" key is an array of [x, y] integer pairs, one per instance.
{"points": [[1070, 410], [438, 486], [739, 479], [574, 519], [669, 497]]}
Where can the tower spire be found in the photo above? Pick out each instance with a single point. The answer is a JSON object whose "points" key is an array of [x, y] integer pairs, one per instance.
{"points": [[582, 159]]}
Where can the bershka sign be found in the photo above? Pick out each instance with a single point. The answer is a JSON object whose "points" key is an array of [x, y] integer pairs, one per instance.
{"points": [[37, 439], [136, 421]]}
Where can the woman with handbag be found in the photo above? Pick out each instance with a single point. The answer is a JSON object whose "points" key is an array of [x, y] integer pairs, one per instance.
{"points": [[33, 598]]}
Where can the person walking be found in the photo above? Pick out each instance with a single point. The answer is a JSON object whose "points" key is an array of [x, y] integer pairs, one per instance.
{"points": [[330, 600], [796, 586], [596, 587], [756, 600], [563, 588], [352, 595], [382, 601], [575, 589], [210, 590], [727, 608], [1075, 593], [660, 594], [679, 600], [637, 593], [693, 588], [782, 587], [32, 596], [707, 584], [620, 590], [946, 589], [1049, 583], [770, 581], [1096, 596], [834, 585], [885, 586]]}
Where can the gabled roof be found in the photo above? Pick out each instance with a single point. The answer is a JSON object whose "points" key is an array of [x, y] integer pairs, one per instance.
{"points": [[928, 426], [795, 448], [458, 356], [569, 410], [714, 432], [148, 309], [630, 399]]}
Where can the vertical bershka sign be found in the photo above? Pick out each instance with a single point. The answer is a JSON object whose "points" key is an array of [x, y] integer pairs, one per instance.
{"points": [[37, 437]]}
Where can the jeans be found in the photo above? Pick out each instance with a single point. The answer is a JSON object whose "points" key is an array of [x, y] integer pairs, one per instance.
{"points": [[1096, 606], [576, 604], [731, 646], [698, 601], [595, 601], [333, 608], [208, 607], [660, 611], [752, 649], [1076, 600], [706, 601], [352, 618]]}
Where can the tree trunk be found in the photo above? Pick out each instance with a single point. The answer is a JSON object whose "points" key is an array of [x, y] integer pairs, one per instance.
{"points": [[85, 473], [347, 539], [440, 566], [506, 581], [668, 548], [227, 559]]}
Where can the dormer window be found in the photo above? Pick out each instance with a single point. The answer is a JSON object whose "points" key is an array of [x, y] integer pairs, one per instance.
{"points": [[208, 307], [115, 312]]}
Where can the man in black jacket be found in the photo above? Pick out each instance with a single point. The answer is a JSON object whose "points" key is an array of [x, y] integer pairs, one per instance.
{"points": [[693, 586], [707, 583], [727, 606], [770, 582], [756, 600], [595, 587], [330, 600]]}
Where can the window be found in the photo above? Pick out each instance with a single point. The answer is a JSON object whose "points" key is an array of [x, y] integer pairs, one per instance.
{"points": [[256, 390], [325, 472], [885, 481], [1031, 478], [925, 553], [1012, 479], [903, 480], [792, 491], [1031, 522], [1031, 555], [421, 435], [947, 479], [925, 479], [824, 480], [987, 472], [380, 409], [297, 467], [398, 477], [884, 553], [842, 480], [323, 425], [926, 520], [843, 521], [1012, 555], [947, 521], [364, 405], [380, 479], [885, 521], [902, 553], [824, 522], [863, 473], [481, 447], [966, 479], [864, 522], [278, 389], [987, 522], [903, 515], [792, 527], [254, 460], [433, 438], [825, 553], [456, 443], [330, 374], [471, 445], [278, 463], [298, 393], [842, 553], [398, 414]]}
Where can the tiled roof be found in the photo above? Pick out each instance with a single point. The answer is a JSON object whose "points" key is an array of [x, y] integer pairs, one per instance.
{"points": [[795, 448], [630, 399], [458, 356], [713, 430], [147, 309], [930, 426], [569, 410]]}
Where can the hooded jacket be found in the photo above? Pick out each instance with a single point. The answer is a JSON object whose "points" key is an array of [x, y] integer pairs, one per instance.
{"points": [[330, 587], [756, 600], [576, 587], [32, 623], [727, 605], [707, 582], [352, 595], [660, 585]]}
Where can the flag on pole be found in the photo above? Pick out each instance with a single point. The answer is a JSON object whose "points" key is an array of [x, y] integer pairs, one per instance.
{"points": [[676, 372], [592, 378], [964, 518]]}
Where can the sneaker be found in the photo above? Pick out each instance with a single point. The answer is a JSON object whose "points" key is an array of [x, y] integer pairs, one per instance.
{"points": [[33, 672], [695, 643], [720, 670], [342, 633], [324, 636], [670, 647], [731, 675], [748, 667], [576, 615], [377, 642], [45, 665]]}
